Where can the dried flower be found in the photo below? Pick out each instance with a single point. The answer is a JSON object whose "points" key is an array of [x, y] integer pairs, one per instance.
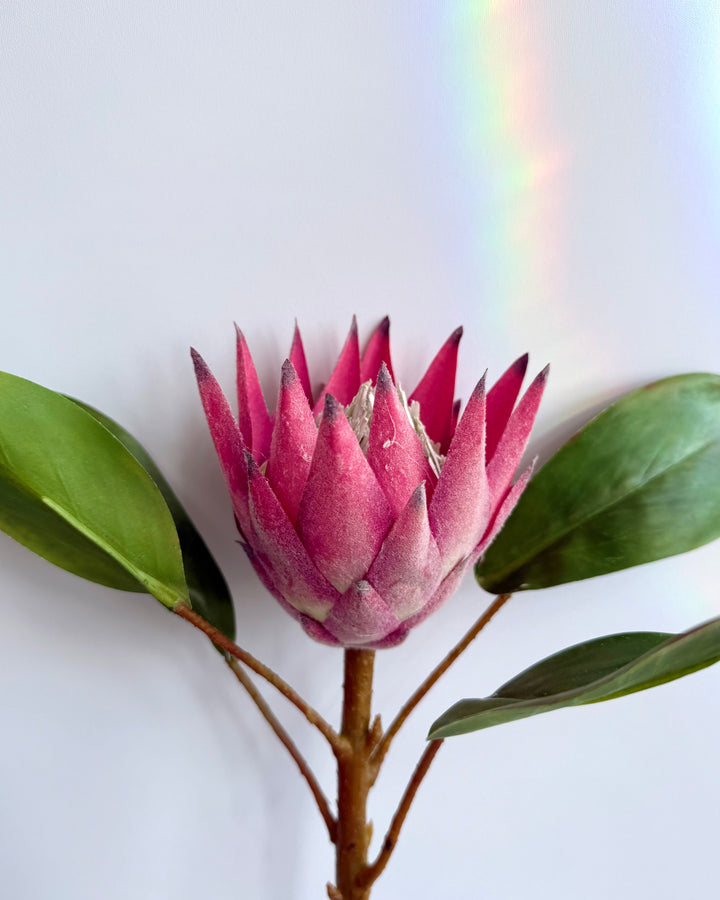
{"points": [[362, 510]]}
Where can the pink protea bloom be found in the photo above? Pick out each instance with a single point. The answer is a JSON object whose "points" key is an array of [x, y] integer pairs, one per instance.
{"points": [[361, 510]]}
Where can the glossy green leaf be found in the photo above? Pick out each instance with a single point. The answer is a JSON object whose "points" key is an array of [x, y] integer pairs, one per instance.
{"points": [[597, 670], [72, 493], [639, 483], [209, 592]]}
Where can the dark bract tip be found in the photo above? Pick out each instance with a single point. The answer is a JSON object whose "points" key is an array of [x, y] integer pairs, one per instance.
{"points": [[384, 380], [252, 467], [520, 365], [480, 387], [332, 408], [288, 375], [418, 498], [201, 367], [456, 335]]}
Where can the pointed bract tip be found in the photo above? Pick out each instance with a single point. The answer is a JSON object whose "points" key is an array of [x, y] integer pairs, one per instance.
{"points": [[297, 338], [201, 367], [456, 335], [354, 325], [252, 467], [288, 375], [384, 327], [384, 379], [418, 498], [544, 374], [296, 332], [521, 364], [480, 387], [331, 408]]}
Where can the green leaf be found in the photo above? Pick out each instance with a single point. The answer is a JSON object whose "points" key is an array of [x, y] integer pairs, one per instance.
{"points": [[597, 670], [209, 592], [72, 493], [639, 483]]}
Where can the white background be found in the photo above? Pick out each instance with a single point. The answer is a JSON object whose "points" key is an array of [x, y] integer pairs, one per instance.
{"points": [[545, 174]]}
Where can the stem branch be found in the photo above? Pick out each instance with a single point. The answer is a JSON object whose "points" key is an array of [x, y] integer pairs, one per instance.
{"points": [[338, 745], [382, 748], [289, 744], [373, 872]]}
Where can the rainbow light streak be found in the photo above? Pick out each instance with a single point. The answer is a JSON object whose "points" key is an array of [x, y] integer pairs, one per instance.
{"points": [[512, 158]]}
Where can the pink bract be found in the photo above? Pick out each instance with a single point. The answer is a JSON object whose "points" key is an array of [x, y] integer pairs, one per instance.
{"points": [[361, 536]]}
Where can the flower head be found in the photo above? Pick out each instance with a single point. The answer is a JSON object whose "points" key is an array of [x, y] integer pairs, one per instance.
{"points": [[362, 509]]}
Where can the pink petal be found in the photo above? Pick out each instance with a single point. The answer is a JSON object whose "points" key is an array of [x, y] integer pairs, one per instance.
{"points": [[392, 640], [292, 444], [506, 507], [376, 353], [345, 379], [360, 616], [343, 516], [512, 444], [228, 441], [297, 358], [436, 391], [395, 453], [407, 569], [264, 576], [460, 509], [253, 418], [280, 550], [318, 633], [311, 627], [501, 400], [447, 588]]}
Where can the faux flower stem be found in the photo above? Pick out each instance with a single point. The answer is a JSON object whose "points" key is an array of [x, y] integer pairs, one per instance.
{"points": [[338, 743], [373, 872], [288, 743], [382, 748], [353, 830]]}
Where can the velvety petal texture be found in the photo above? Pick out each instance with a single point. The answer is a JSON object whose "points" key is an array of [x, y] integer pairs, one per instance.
{"points": [[395, 453], [293, 442], [361, 522], [436, 392], [377, 353], [343, 516], [253, 418], [299, 362], [345, 379]]}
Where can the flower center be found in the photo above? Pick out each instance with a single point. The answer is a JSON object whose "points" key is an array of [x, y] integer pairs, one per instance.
{"points": [[359, 415]]}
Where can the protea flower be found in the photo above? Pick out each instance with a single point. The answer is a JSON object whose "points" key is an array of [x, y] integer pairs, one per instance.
{"points": [[361, 510]]}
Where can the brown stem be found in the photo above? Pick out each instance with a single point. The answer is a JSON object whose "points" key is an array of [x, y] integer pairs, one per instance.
{"points": [[353, 831], [338, 744], [382, 748], [289, 744], [373, 872]]}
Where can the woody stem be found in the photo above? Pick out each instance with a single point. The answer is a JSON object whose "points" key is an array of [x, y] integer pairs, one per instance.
{"points": [[353, 831]]}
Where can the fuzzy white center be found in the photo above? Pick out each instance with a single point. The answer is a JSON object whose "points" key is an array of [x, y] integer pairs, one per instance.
{"points": [[359, 415]]}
